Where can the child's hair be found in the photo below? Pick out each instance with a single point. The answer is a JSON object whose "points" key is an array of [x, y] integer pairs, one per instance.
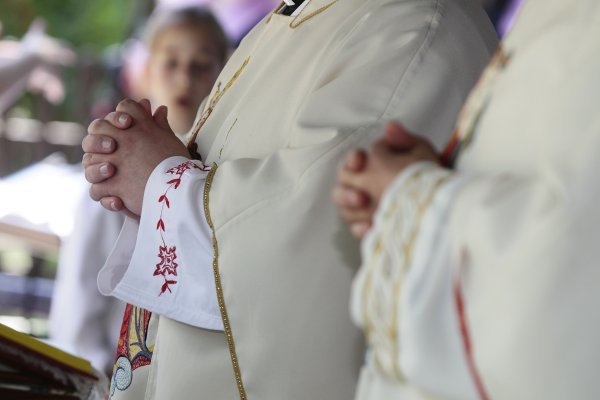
{"points": [[195, 16]]}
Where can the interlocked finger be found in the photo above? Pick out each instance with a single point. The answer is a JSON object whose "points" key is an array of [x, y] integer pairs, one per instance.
{"points": [[353, 215], [119, 119], [97, 173], [99, 191], [343, 196], [99, 144]]}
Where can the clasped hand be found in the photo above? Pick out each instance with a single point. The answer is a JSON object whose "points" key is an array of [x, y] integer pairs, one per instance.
{"points": [[123, 149], [363, 177]]}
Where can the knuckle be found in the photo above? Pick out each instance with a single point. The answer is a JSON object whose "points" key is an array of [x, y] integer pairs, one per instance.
{"points": [[125, 104], [96, 126], [94, 193], [85, 145], [107, 203], [90, 174], [90, 144], [111, 117], [86, 159]]}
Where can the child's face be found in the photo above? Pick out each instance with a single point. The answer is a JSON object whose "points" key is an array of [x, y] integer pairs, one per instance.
{"points": [[184, 65]]}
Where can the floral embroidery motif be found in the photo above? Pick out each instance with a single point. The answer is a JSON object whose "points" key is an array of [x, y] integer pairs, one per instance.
{"points": [[133, 351], [167, 267], [180, 170]]}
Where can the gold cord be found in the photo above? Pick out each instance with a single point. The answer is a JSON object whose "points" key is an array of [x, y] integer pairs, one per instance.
{"points": [[220, 297]]}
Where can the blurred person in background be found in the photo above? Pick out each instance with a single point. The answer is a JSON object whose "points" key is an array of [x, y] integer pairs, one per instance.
{"points": [[32, 63], [186, 51], [236, 16]]}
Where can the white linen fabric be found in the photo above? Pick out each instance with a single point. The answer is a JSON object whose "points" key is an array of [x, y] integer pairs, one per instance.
{"points": [[297, 95], [494, 292]]}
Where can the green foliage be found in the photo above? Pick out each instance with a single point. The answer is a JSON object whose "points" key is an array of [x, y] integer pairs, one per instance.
{"points": [[89, 26], [92, 24]]}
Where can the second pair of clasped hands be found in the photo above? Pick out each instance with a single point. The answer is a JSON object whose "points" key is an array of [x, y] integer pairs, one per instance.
{"points": [[123, 149]]}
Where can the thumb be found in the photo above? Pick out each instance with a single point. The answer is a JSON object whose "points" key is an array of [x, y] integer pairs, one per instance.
{"points": [[160, 117], [398, 138]]}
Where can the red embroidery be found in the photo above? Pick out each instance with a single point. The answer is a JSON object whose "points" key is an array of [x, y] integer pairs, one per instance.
{"points": [[179, 171], [167, 267]]}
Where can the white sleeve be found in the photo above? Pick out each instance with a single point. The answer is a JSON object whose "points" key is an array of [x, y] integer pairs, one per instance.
{"points": [[504, 253], [164, 263], [473, 286], [403, 293]]}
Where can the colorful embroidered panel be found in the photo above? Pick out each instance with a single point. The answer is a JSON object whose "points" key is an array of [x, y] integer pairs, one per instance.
{"points": [[133, 351]]}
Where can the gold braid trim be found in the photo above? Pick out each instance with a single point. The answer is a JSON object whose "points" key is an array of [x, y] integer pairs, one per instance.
{"points": [[408, 249], [279, 7], [422, 200], [192, 146], [222, 307]]}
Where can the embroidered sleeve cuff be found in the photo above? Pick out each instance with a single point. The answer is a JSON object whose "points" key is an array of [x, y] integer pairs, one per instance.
{"points": [[170, 269], [387, 256], [395, 226], [404, 290]]}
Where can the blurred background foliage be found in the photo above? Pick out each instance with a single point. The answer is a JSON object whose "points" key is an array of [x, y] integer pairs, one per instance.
{"points": [[90, 27], [90, 24], [94, 29]]}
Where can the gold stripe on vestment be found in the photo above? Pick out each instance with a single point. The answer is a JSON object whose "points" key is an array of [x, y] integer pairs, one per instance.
{"points": [[210, 106], [220, 297]]}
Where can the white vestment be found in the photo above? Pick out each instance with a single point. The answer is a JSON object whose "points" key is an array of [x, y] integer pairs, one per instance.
{"points": [[481, 283], [298, 94]]}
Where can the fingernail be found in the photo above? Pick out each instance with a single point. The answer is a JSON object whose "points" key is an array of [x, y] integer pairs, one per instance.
{"points": [[104, 169], [106, 143], [113, 205], [122, 119]]}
